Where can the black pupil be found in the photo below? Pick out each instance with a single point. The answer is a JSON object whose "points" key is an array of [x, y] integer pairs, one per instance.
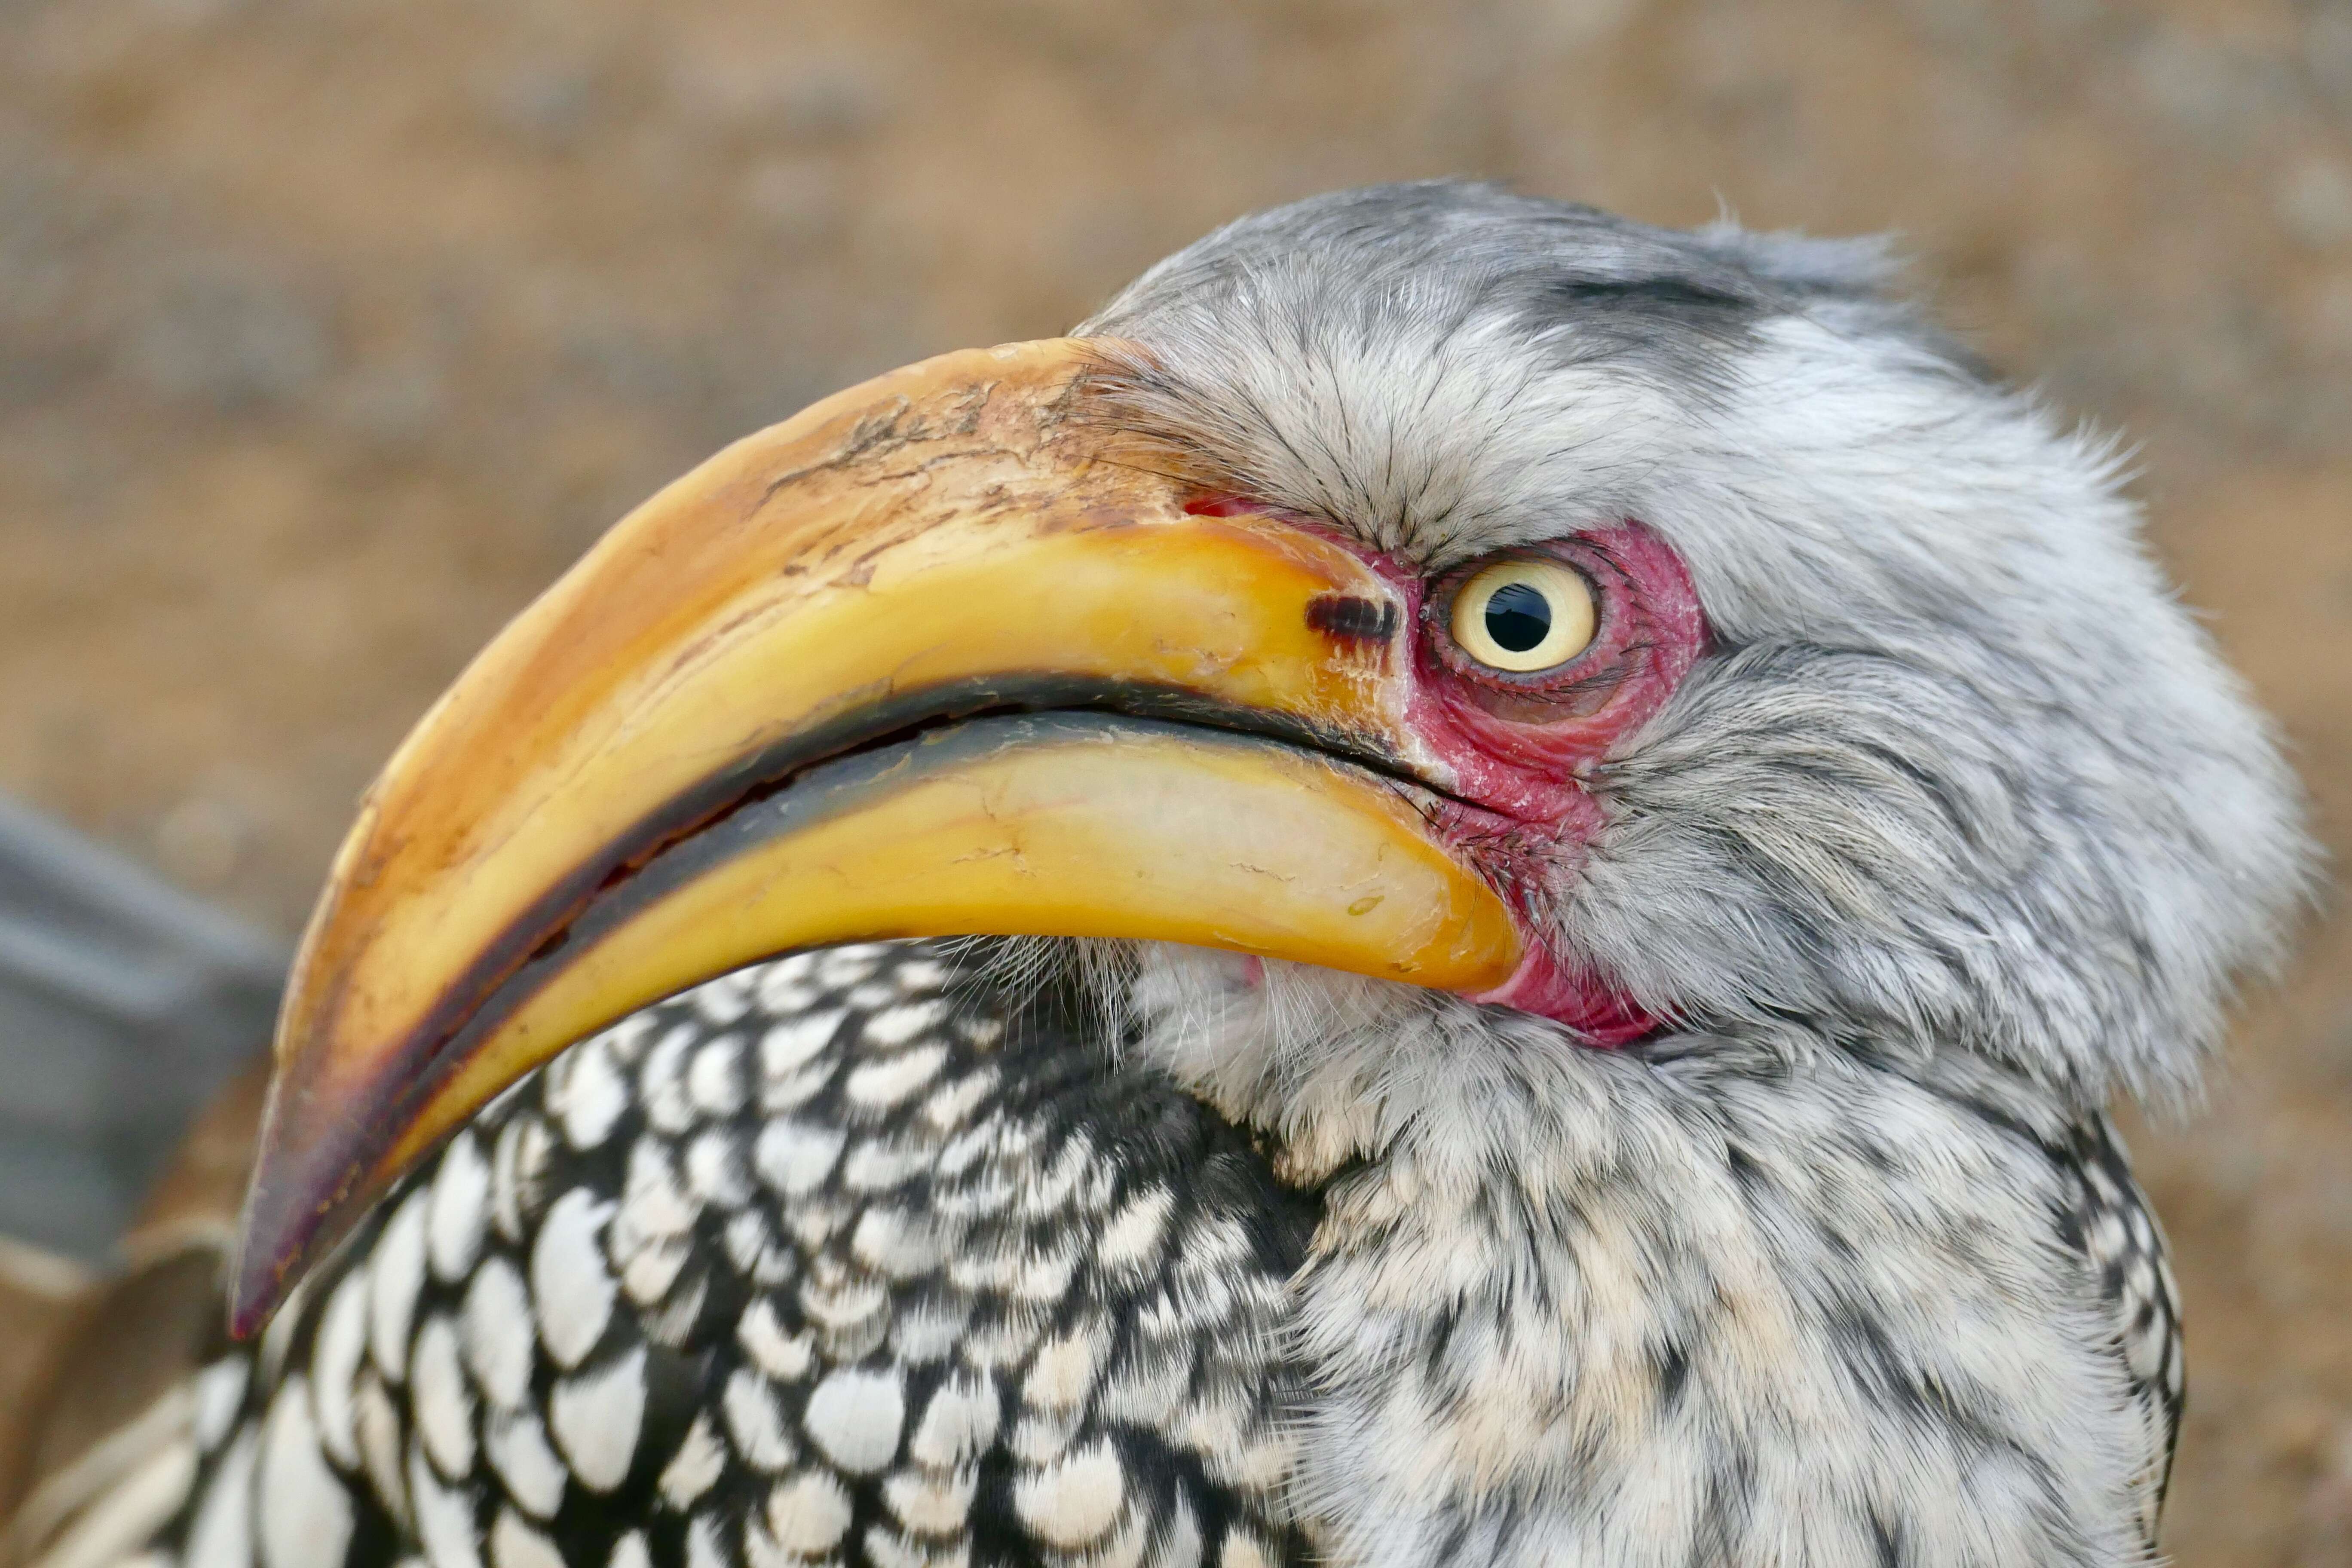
{"points": [[1518, 617]]}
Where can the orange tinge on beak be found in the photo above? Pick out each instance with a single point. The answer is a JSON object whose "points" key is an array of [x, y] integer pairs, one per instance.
{"points": [[942, 655]]}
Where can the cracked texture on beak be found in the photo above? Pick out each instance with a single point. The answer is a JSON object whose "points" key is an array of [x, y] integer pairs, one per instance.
{"points": [[717, 739]]}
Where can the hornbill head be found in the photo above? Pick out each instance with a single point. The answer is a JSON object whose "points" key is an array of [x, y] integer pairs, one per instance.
{"points": [[1419, 627]]}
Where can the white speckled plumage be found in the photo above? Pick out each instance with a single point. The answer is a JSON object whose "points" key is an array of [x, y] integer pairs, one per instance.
{"points": [[851, 1407]]}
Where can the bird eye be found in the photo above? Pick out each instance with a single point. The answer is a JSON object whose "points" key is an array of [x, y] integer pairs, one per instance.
{"points": [[1525, 616]]}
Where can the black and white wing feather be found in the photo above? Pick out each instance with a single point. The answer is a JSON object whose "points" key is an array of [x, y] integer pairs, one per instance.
{"points": [[2115, 1228], [844, 1258]]}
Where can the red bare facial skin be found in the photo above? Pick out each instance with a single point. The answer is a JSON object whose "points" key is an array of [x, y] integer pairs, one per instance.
{"points": [[1522, 744], [1520, 747], [1523, 747]]}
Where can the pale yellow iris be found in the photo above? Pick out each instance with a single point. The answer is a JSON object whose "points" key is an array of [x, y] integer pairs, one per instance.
{"points": [[1525, 616]]}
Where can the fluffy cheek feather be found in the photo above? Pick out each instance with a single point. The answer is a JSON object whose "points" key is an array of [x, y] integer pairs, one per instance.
{"points": [[1264, 1042]]}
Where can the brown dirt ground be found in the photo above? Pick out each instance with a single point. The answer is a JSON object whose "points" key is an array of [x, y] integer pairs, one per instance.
{"points": [[330, 330]]}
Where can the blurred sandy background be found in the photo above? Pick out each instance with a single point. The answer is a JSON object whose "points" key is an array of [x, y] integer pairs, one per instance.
{"points": [[331, 330]]}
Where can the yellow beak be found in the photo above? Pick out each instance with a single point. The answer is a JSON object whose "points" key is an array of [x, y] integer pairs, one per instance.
{"points": [[933, 658]]}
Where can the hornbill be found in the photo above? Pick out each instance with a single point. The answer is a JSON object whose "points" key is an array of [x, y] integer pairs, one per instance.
{"points": [[1466, 887]]}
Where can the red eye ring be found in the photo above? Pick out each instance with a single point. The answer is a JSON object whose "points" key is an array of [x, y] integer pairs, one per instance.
{"points": [[1522, 742]]}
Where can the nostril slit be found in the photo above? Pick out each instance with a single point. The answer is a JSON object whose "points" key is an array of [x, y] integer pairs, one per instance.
{"points": [[1356, 620]]}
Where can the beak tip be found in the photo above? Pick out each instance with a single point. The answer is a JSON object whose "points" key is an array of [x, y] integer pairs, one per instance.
{"points": [[297, 1202], [257, 1272], [270, 1246], [249, 1302]]}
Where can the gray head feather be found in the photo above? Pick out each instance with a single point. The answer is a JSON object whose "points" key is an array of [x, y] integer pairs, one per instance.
{"points": [[1959, 771]]}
